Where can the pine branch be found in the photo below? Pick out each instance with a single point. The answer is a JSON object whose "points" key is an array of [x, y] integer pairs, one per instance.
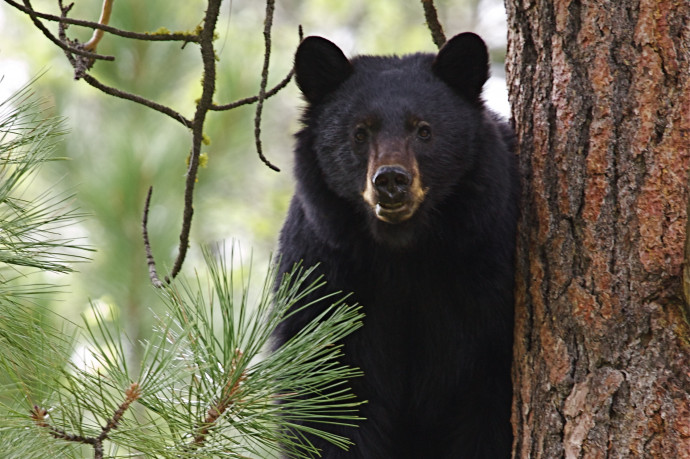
{"points": [[204, 387], [228, 397], [31, 225], [39, 415]]}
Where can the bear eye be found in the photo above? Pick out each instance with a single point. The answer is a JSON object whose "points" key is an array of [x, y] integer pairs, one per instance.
{"points": [[361, 134], [424, 131]]}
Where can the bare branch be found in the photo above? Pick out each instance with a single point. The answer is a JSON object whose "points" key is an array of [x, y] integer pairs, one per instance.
{"points": [[433, 23], [92, 44], [82, 58], [81, 66], [66, 47], [208, 57], [150, 261], [253, 99], [138, 99], [187, 37], [268, 22]]}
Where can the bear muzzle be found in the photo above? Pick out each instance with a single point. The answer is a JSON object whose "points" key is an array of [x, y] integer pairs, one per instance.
{"points": [[392, 185], [393, 192]]}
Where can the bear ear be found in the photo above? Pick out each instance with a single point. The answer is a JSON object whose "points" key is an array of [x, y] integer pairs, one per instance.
{"points": [[463, 64], [320, 67]]}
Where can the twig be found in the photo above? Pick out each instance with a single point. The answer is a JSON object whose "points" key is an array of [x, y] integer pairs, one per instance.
{"points": [[81, 66], [215, 412], [79, 63], [186, 37], [150, 262], [132, 394], [432, 22], [92, 44], [253, 99], [208, 57], [137, 99], [268, 22], [64, 46], [227, 398], [39, 415]]}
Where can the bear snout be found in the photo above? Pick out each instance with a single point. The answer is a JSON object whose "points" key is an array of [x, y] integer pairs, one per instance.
{"points": [[393, 192], [392, 184]]}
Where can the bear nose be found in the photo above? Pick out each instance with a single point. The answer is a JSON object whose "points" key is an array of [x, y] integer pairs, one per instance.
{"points": [[392, 184]]}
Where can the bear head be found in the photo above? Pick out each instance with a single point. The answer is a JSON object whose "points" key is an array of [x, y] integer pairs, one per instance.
{"points": [[394, 137]]}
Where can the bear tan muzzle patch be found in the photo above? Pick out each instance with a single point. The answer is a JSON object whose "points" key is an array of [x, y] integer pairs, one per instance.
{"points": [[393, 191]]}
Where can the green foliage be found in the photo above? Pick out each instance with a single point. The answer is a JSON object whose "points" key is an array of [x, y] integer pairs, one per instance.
{"points": [[203, 384], [32, 225], [203, 388]]}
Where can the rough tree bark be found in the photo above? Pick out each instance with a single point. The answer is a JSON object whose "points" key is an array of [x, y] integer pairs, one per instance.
{"points": [[601, 102]]}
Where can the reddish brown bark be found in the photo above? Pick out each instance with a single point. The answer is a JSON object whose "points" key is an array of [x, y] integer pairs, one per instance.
{"points": [[601, 102]]}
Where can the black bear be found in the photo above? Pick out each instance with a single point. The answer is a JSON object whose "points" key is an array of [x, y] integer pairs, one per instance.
{"points": [[405, 195]]}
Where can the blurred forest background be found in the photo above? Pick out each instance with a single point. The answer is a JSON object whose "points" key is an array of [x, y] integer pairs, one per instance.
{"points": [[116, 149]]}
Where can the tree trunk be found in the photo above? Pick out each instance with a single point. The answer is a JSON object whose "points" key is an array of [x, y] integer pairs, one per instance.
{"points": [[601, 102]]}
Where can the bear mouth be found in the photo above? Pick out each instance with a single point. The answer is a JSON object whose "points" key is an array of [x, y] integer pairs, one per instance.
{"points": [[393, 194], [394, 213]]}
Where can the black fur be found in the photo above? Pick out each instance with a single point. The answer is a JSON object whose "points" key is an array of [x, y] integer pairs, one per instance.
{"points": [[437, 288]]}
